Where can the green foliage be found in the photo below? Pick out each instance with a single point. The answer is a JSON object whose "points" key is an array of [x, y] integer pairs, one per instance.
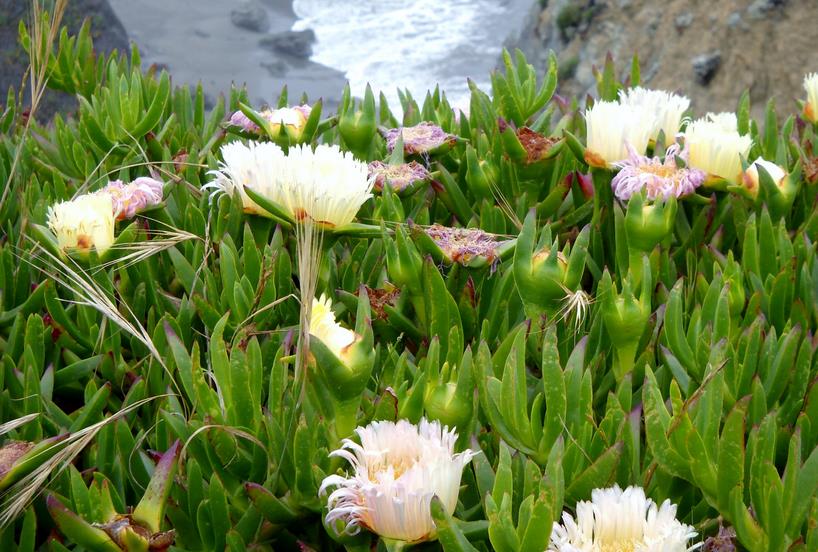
{"points": [[669, 345]]}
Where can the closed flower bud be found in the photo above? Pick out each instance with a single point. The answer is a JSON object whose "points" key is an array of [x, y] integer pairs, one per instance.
{"points": [[358, 127], [648, 224], [403, 262], [752, 180], [545, 277], [625, 316], [811, 105]]}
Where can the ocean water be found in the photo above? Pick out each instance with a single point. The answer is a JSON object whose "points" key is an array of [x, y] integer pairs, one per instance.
{"points": [[412, 44]]}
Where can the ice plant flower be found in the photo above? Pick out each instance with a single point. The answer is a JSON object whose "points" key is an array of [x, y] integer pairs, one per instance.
{"points": [[811, 106], [621, 521], [398, 468], [423, 138], [324, 327], [612, 128], [242, 121], [325, 184], [84, 222], [715, 146], [656, 177], [292, 118], [129, 199], [253, 165], [666, 108], [399, 177], [750, 177]]}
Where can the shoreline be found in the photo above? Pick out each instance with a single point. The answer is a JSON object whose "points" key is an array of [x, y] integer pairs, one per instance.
{"points": [[234, 55]]}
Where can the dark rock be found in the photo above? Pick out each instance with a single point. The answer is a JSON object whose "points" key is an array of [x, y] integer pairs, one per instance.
{"points": [[683, 21], [705, 66], [107, 33], [760, 9], [735, 20], [250, 15], [290, 43]]}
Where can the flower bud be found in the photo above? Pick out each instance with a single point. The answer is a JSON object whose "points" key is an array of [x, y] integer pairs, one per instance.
{"points": [[481, 174], [648, 224], [449, 393], [546, 276], [811, 105], [403, 262], [770, 184], [625, 316], [358, 127]]}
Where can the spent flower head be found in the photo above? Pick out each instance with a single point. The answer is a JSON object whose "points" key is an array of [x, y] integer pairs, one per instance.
{"points": [[399, 177], [398, 468], [423, 138]]}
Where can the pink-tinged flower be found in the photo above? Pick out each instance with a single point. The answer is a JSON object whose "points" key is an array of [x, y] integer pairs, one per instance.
{"points": [[656, 177], [398, 467], [239, 119], [419, 139], [129, 199], [292, 118], [399, 177]]}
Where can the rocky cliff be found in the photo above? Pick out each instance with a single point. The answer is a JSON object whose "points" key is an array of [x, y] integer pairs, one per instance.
{"points": [[709, 50]]}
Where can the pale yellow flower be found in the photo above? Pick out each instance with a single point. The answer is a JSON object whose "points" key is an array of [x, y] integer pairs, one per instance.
{"points": [[612, 128], [715, 146], [84, 222], [324, 327]]}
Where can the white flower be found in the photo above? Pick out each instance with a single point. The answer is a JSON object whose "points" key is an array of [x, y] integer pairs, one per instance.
{"points": [[84, 222], [715, 146], [621, 521], [666, 108], [288, 116], [612, 127], [324, 327], [751, 177], [253, 165], [324, 184], [398, 467], [811, 107]]}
